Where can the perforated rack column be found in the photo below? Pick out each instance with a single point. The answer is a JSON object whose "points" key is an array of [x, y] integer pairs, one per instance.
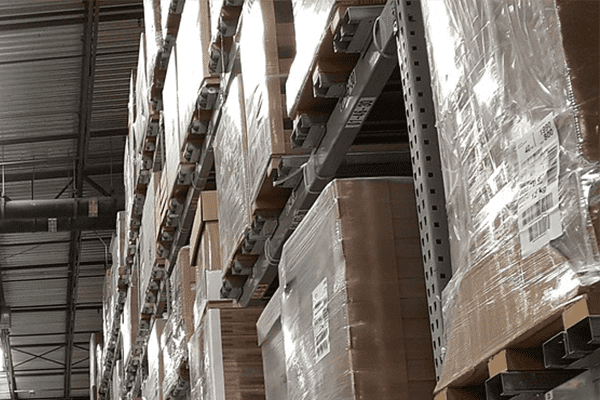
{"points": [[425, 157]]}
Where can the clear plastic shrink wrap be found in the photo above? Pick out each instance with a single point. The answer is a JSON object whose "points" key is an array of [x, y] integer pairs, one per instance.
{"points": [[311, 20], [142, 97], [516, 183], [179, 327], [107, 306], [208, 288], [153, 33], [153, 387], [193, 41], [232, 173], [260, 65], [171, 119], [353, 311], [117, 378], [270, 339], [147, 239], [225, 360], [130, 318]]}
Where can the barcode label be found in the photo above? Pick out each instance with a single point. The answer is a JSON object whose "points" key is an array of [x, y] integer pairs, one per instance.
{"points": [[539, 228], [537, 209], [539, 213], [321, 320]]}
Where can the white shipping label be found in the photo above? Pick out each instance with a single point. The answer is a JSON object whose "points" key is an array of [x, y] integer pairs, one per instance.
{"points": [[538, 206], [321, 320]]}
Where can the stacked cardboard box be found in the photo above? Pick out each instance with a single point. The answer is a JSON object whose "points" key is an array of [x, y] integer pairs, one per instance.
{"points": [[225, 359], [204, 240], [353, 311], [267, 48], [180, 323], [152, 387], [231, 169], [116, 389], [270, 339], [95, 343], [311, 24], [147, 239], [512, 106]]}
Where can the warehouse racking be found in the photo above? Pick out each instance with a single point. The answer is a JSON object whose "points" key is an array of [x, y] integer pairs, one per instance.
{"points": [[387, 38]]}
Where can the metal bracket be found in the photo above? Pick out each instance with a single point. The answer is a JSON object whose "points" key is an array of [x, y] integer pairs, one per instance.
{"points": [[308, 130], [356, 28]]}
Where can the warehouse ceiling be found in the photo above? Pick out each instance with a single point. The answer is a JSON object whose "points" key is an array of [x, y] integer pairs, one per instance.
{"points": [[64, 88]]}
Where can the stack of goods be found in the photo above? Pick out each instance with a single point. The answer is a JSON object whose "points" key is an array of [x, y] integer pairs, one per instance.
{"points": [[270, 339], [266, 48], [204, 240], [225, 359], [95, 366], [516, 95], [147, 243], [180, 324], [311, 23], [116, 389], [354, 312], [231, 169], [152, 386]]}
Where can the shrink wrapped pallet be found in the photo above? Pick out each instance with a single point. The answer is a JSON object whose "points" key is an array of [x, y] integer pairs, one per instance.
{"points": [[95, 341], [180, 324], [204, 238], [193, 42], [107, 306], [147, 239], [208, 289], [514, 133], [232, 173], [130, 319], [152, 389], [311, 22], [353, 311], [225, 360], [142, 97], [270, 339], [266, 49], [116, 390], [172, 137], [153, 33]]}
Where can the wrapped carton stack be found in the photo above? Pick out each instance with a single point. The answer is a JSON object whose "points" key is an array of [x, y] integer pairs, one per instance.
{"points": [[152, 387], [517, 112], [205, 251], [95, 343], [353, 308]]}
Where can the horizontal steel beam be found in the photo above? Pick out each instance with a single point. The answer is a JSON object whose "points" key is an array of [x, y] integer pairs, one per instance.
{"points": [[44, 139], [31, 209], [53, 308], [99, 264]]}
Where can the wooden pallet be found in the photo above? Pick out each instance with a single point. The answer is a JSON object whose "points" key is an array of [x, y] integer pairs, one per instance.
{"points": [[548, 357]]}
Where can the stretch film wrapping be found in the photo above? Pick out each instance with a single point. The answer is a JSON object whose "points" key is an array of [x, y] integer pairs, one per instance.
{"points": [[270, 339], [147, 240], [262, 31], [516, 181], [311, 21], [232, 173], [153, 33], [142, 97], [171, 118], [353, 311], [192, 58], [153, 386], [174, 348], [225, 359]]}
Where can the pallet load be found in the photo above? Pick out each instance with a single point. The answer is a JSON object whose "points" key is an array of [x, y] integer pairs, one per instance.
{"points": [[225, 359], [354, 312], [205, 251], [270, 339], [152, 386], [266, 48], [95, 343], [117, 387], [129, 322], [196, 84], [312, 19], [179, 327], [155, 40], [147, 246], [231, 170], [516, 98]]}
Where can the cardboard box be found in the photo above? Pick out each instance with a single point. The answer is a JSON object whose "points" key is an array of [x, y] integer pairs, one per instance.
{"points": [[153, 33], [270, 339], [183, 291], [208, 289], [336, 313], [311, 22], [232, 173], [225, 359], [193, 40], [504, 79], [152, 389], [130, 318], [265, 56], [207, 210], [95, 341], [147, 239]]}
